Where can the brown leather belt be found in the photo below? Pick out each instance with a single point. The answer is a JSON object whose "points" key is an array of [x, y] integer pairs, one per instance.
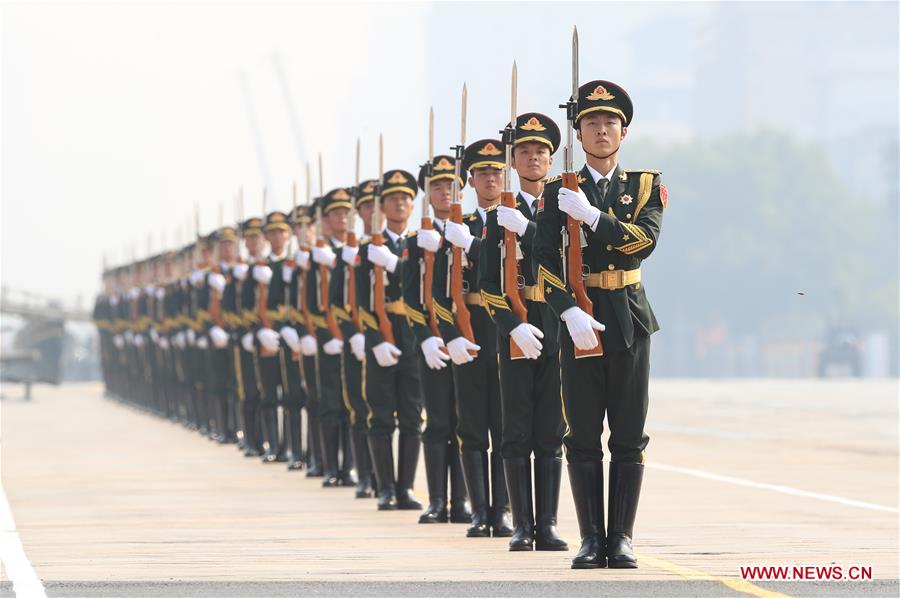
{"points": [[613, 280]]}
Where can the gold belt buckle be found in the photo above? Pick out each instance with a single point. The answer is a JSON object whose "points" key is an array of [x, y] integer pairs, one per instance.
{"points": [[612, 280]]}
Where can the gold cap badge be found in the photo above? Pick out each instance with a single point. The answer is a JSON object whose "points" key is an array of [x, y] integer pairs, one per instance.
{"points": [[533, 124], [600, 93], [489, 149]]}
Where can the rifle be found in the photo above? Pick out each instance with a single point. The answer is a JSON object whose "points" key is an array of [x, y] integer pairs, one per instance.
{"points": [[215, 299], [350, 269], [378, 274], [427, 277], [510, 249], [301, 276], [463, 317], [324, 277], [572, 234]]}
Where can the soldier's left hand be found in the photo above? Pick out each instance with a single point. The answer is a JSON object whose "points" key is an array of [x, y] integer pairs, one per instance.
{"points": [[459, 235], [429, 240], [526, 337], [512, 219], [218, 337], [382, 256], [308, 345], [217, 281], [576, 205], [358, 345], [286, 273], [348, 254]]}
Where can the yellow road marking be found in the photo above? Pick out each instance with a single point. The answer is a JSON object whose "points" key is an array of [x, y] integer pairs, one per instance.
{"points": [[738, 585]]}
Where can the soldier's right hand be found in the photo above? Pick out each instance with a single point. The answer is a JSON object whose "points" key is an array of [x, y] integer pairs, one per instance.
{"points": [[434, 357], [459, 235], [217, 281], [269, 339], [302, 258], [247, 342], [526, 337], [581, 328], [190, 337], [119, 341], [429, 240], [386, 354], [384, 257], [308, 345], [348, 254], [262, 274], [358, 345], [459, 350], [239, 271], [218, 337]]}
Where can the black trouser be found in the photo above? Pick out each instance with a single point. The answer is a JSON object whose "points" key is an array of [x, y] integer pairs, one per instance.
{"points": [[351, 372], [392, 393], [532, 409], [294, 394], [614, 385], [477, 386], [271, 368], [308, 367], [331, 394], [440, 402]]}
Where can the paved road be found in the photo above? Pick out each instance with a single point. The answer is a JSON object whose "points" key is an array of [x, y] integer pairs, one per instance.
{"points": [[111, 501]]}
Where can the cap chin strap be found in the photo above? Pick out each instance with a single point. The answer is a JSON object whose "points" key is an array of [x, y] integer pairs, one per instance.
{"points": [[612, 153], [532, 180]]}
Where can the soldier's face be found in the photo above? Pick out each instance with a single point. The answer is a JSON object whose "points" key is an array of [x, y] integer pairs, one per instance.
{"points": [[226, 251], [397, 206], [365, 212], [441, 195], [337, 220], [487, 183], [601, 133], [254, 244], [277, 238], [532, 160]]}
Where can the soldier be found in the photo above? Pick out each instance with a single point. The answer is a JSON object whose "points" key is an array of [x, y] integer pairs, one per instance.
{"points": [[391, 377], [439, 439], [343, 302], [247, 375], [529, 380], [619, 215], [335, 207]]}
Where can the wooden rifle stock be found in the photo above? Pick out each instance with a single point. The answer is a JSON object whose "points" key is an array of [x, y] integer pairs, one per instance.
{"points": [[463, 317], [350, 270], [574, 267], [512, 274], [384, 322], [428, 280], [325, 299]]}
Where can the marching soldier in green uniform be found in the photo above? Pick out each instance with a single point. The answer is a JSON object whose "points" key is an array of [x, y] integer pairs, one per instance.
{"points": [[354, 346], [436, 379], [476, 379], [391, 376], [619, 213], [529, 380]]}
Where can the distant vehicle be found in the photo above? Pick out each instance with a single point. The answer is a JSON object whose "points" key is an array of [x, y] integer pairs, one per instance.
{"points": [[841, 354]]}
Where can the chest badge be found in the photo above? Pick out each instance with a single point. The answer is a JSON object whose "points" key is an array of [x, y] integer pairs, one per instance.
{"points": [[626, 200]]}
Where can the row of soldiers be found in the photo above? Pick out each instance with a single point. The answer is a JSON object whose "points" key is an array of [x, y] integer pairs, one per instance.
{"points": [[237, 336]]}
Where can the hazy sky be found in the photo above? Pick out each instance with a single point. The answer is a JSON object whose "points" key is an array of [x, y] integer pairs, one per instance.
{"points": [[118, 118]]}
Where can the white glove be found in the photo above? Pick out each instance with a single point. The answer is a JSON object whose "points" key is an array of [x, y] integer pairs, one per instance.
{"points": [[459, 350], [202, 343], [348, 254], [459, 235], [160, 293], [247, 342], [164, 343], [382, 256], [308, 345], [576, 205], [324, 255], [358, 345], [138, 340], [269, 339], [119, 342], [302, 259], [154, 335], [286, 273], [178, 339], [581, 328], [526, 337], [429, 240], [218, 337], [386, 354], [262, 274], [196, 277], [190, 337], [290, 337], [512, 219], [129, 337], [239, 271], [333, 347], [217, 281], [434, 357]]}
